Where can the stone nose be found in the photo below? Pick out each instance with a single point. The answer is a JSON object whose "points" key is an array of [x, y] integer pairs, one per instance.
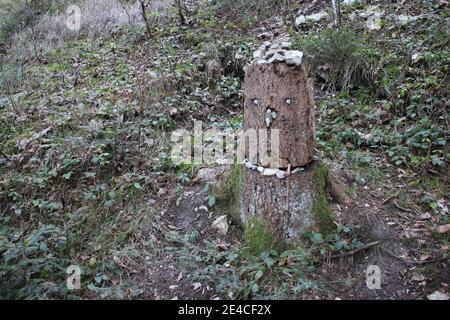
{"points": [[270, 116]]}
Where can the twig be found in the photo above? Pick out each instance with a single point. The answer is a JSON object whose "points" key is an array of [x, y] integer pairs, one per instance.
{"points": [[401, 208], [420, 262], [350, 253], [390, 198]]}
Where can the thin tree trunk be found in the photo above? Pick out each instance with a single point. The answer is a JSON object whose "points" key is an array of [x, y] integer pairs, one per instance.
{"points": [[337, 13], [180, 12], [144, 15]]}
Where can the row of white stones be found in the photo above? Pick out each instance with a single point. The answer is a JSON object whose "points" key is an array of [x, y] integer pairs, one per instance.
{"points": [[280, 174]]}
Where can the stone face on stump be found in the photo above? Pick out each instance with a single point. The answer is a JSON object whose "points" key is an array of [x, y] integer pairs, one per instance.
{"points": [[279, 96]]}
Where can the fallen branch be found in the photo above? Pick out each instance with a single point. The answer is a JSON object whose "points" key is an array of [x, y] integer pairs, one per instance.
{"points": [[350, 253], [401, 208], [418, 262]]}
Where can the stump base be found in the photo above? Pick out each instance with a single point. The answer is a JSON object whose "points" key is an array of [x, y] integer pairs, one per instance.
{"points": [[289, 206]]}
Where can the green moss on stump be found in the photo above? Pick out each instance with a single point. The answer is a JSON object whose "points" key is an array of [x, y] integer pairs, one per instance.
{"points": [[258, 236], [232, 190], [321, 206]]}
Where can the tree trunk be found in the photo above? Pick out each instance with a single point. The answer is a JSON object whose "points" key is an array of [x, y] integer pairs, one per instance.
{"points": [[144, 16], [180, 12], [337, 13]]}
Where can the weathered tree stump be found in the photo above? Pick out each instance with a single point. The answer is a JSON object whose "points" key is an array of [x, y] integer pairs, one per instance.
{"points": [[297, 201], [289, 206]]}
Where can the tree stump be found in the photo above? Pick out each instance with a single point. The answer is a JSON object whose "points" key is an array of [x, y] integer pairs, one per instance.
{"points": [[297, 201]]}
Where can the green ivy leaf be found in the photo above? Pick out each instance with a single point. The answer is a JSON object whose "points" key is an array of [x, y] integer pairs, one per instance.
{"points": [[258, 275], [212, 200]]}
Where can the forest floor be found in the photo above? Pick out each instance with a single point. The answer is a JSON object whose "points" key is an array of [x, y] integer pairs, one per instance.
{"points": [[86, 176]]}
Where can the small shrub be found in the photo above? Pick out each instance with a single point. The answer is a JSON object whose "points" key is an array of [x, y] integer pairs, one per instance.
{"points": [[341, 58]]}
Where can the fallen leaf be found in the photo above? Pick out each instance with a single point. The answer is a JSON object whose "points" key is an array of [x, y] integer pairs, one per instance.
{"points": [[443, 229], [425, 216], [417, 277], [425, 257], [197, 285]]}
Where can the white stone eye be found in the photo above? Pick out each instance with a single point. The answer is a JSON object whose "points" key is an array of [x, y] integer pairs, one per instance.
{"points": [[255, 102], [288, 101]]}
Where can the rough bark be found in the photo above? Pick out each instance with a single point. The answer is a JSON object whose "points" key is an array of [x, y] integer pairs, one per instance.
{"points": [[286, 90]]}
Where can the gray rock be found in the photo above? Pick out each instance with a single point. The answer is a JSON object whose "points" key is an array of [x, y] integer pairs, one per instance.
{"points": [[286, 45], [221, 225], [258, 54], [277, 57], [313, 17], [294, 57]]}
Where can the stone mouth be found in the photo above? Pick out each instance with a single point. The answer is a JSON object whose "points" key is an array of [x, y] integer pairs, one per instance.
{"points": [[280, 173]]}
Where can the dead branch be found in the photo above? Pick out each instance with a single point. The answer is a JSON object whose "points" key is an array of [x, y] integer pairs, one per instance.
{"points": [[350, 253]]}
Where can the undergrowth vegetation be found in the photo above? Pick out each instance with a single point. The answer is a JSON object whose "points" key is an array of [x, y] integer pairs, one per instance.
{"points": [[85, 154]]}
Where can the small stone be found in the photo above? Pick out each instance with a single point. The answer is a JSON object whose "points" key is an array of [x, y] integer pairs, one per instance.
{"points": [[274, 115], [280, 174], [258, 54], [221, 225], [286, 45], [313, 17], [248, 164], [294, 57], [300, 20], [415, 57], [437, 295], [277, 57], [275, 46], [269, 172], [268, 122]]}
